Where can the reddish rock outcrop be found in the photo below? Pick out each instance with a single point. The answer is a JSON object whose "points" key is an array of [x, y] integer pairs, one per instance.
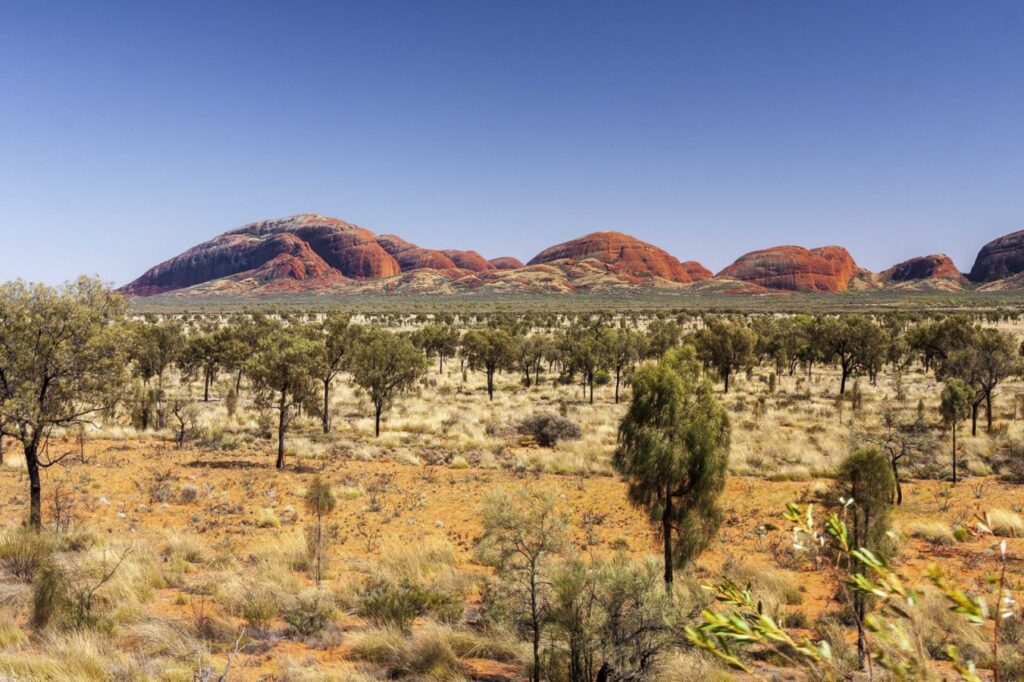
{"points": [[794, 268], [507, 263], [935, 266], [624, 255], [999, 259], [412, 257], [469, 260]]}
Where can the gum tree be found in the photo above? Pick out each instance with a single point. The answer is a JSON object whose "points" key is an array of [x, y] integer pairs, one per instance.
{"points": [[61, 364], [385, 365], [281, 370]]}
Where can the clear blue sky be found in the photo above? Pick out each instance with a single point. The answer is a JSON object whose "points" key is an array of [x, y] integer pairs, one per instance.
{"points": [[130, 131]]}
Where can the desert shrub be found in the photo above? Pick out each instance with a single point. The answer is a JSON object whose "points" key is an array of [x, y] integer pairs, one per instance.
{"points": [[398, 603], [311, 612], [934, 532], [188, 494], [942, 627], [259, 607], [547, 429], [408, 583], [23, 551]]}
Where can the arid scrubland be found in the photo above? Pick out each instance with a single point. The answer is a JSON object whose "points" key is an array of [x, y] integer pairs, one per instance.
{"points": [[494, 538]]}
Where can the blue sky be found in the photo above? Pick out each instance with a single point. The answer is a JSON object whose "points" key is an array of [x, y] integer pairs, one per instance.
{"points": [[131, 131]]}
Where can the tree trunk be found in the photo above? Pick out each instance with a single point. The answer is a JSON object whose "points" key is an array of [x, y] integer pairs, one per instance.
{"points": [[238, 382], [490, 384], [899, 486], [590, 382], [954, 452], [988, 412], [535, 624], [327, 406], [725, 375], [206, 386], [842, 381], [377, 409], [618, 374], [974, 418], [281, 426], [666, 531], [35, 488]]}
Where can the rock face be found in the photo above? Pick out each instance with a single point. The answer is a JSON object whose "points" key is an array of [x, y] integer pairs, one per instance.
{"points": [[507, 263], [935, 266], [625, 256], [794, 268], [999, 259]]}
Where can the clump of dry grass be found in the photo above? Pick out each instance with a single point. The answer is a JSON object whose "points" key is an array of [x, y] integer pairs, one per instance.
{"points": [[934, 532], [1005, 523]]}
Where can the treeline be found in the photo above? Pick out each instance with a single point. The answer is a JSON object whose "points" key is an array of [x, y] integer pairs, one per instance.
{"points": [[70, 355]]}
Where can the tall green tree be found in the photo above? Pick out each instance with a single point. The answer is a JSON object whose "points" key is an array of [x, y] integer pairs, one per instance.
{"points": [[726, 345], [202, 354], [673, 452], [586, 350], [437, 340], [490, 351], [854, 341], [282, 371], [334, 340], [623, 349], [985, 362], [385, 365], [61, 365], [954, 406], [865, 482]]}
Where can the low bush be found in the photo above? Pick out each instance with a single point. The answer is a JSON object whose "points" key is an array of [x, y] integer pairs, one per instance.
{"points": [[548, 429], [311, 612]]}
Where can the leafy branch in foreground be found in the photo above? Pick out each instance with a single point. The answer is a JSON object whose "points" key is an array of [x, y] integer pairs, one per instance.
{"points": [[894, 626]]}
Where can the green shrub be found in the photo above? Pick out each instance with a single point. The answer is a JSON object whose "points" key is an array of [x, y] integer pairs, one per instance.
{"points": [[49, 595], [547, 429], [259, 608], [310, 614], [398, 603]]}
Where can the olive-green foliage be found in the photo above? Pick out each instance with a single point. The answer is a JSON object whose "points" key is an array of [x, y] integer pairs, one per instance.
{"points": [[673, 450], [385, 365]]}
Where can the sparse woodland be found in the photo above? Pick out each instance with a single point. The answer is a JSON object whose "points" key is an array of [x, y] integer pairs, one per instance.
{"points": [[593, 497]]}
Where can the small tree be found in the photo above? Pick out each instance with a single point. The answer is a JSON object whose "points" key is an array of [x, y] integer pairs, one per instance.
{"points": [[673, 451], [320, 502], [61, 364], [623, 349], [385, 365], [522, 535], [865, 483], [727, 346], [955, 406], [282, 370], [334, 339], [201, 354], [437, 340], [489, 350]]}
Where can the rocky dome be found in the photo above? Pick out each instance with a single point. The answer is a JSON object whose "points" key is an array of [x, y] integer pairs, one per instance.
{"points": [[469, 260], [935, 266], [624, 255], [999, 259], [507, 263], [794, 268]]}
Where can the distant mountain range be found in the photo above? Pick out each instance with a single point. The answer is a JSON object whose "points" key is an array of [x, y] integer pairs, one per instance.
{"points": [[314, 253]]}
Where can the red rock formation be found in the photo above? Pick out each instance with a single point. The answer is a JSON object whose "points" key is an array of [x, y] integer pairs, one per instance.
{"points": [[469, 260], [624, 255], [412, 257], [999, 259], [507, 263], [794, 268], [935, 266]]}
